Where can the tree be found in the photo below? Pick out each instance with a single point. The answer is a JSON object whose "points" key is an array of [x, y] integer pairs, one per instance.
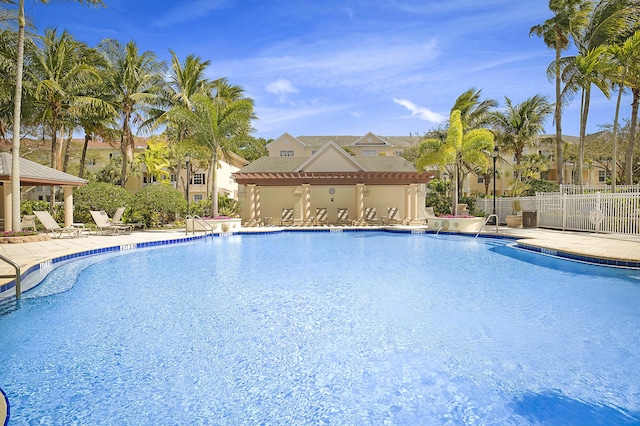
{"points": [[626, 57], [472, 147], [135, 81], [587, 70], [17, 99], [518, 126], [215, 126], [474, 112], [155, 158], [570, 16]]}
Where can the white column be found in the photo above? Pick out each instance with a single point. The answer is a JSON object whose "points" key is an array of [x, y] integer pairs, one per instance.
{"points": [[252, 203], [258, 213], [360, 202], [68, 205], [306, 202]]}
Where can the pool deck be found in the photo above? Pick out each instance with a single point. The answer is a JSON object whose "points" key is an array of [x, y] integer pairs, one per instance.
{"points": [[617, 247]]}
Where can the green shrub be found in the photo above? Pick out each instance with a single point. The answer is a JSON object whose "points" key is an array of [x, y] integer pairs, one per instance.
{"points": [[98, 196], [540, 185], [157, 204], [226, 207], [28, 206]]}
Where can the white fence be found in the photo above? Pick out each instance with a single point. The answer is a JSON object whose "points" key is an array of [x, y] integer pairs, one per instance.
{"points": [[596, 212]]}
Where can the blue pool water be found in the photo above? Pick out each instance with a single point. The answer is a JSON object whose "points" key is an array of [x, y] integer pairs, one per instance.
{"points": [[355, 328]]}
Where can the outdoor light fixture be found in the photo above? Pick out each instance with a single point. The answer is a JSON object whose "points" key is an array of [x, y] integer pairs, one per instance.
{"points": [[494, 155], [187, 159]]}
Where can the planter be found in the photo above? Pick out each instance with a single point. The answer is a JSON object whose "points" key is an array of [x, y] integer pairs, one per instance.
{"points": [[24, 239], [513, 220], [215, 225], [457, 224]]}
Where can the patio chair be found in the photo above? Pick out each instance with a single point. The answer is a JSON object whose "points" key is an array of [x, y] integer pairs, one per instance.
{"points": [[392, 217], [371, 216], [287, 217], [321, 216], [105, 227], [429, 214], [343, 216], [28, 222], [117, 216], [55, 230]]}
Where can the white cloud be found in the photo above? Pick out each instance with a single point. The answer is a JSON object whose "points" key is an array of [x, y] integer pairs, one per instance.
{"points": [[281, 87], [422, 112]]}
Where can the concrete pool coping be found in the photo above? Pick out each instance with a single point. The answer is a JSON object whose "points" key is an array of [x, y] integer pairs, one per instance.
{"points": [[612, 249]]}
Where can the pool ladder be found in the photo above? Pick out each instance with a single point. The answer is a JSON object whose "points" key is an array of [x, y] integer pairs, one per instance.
{"points": [[16, 275], [197, 219]]}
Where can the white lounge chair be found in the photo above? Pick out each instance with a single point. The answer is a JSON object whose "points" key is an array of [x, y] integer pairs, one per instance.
{"points": [[55, 230], [28, 222], [117, 216], [104, 225]]}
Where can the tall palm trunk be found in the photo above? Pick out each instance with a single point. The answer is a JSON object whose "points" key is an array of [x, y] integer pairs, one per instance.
{"points": [[584, 113], [17, 109], [214, 184], [616, 118], [83, 157], [557, 115], [628, 171]]}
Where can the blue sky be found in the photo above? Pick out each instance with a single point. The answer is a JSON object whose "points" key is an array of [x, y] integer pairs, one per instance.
{"points": [[331, 67]]}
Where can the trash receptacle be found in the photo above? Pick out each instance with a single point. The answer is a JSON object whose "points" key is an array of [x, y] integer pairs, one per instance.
{"points": [[530, 219]]}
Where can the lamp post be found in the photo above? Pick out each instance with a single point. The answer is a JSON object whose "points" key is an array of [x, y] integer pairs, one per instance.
{"points": [[494, 155], [188, 161]]}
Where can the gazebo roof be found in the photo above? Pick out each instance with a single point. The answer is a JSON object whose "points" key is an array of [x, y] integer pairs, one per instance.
{"points": [[32, 173]]}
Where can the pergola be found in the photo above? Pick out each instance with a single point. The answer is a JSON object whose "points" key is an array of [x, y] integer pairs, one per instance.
{"points": [[32, 173]]}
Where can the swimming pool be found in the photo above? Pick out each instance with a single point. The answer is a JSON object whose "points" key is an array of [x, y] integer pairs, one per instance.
{"points": [[326, 328]]}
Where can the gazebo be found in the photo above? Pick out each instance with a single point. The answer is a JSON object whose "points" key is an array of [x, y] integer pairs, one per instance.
{"points": [[32, 173]]}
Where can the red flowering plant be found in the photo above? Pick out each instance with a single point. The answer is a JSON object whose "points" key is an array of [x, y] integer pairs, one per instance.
{"points": [[5, 234], [450, 216]]}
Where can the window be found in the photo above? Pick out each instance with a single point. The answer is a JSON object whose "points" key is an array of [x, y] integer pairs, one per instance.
{"points": [[480, 179], [197, 197], [198, 179], [369, 152], [286, 153], [603, 175]]}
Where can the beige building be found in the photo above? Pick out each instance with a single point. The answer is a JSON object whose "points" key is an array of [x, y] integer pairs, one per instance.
{"points": [[303, 176]]}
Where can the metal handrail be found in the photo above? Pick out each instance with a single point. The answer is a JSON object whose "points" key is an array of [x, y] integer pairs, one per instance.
{"points": [[487, 221], [200, 221], [16, 276]]}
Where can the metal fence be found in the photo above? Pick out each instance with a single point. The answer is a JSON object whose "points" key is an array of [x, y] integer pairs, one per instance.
{"points": [[592, 212]]}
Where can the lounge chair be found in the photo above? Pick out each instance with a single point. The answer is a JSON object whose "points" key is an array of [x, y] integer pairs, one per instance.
{"points": [[392, 217], [371, 216], [117, 216], [287, 217], [104, 225], [429, 214], [321, 216], [55, 230], [343, 217], [28, 222]]}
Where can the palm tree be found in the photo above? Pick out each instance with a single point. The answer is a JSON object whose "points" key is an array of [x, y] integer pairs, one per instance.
{"points": [[15, 146], [518, 126], [215, 127], [474, 112], [626, 57], [135, 82], [60, 76], [570, 16], [472, 147], [587, 70], [156, 158]]}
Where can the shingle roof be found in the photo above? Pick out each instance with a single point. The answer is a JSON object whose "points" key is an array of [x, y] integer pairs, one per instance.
{"points": [[397, 141], [289, 164], [34, 173]]}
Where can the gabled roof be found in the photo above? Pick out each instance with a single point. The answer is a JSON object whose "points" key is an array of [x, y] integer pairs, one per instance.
{"points": [[286, 136], [36, 174], [330, 158], [371, 140], [397, 141]]}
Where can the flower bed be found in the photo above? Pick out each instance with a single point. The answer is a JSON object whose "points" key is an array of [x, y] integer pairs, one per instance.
{"points": [[456, 223], [215, 224], [22, 237]]}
